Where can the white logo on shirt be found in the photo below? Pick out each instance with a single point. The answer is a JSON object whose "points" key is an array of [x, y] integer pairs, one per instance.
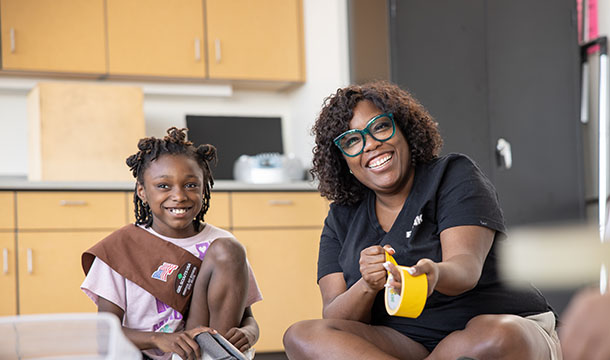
{"points": [[418, 220]]}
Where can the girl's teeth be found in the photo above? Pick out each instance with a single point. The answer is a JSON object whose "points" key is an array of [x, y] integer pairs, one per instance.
{"points": [[177, 211]]}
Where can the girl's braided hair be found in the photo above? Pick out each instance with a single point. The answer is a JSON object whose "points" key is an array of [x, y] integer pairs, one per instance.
{"points": [[329, 166], [174, 143]]}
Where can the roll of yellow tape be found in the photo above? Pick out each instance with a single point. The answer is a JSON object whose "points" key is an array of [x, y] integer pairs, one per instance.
{"points": [[413, 293]]}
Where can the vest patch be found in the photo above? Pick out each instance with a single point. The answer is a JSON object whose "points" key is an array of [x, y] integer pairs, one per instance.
{"points": [[164, 271], [186, 279]]}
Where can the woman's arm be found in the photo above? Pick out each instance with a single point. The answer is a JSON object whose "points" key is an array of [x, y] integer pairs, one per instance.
{"points": [[355, 303], [181, 343], [245, 336], [464, 249]]}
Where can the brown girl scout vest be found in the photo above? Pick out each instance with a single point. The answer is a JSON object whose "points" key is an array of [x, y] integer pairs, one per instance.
{"points": [[165, 270]]}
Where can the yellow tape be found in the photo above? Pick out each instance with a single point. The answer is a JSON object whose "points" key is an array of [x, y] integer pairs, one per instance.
{"points": [[413, 293]]}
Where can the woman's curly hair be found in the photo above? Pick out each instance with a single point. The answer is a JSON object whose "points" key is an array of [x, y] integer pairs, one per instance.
{"points": [[174, 143], [330, 168]]}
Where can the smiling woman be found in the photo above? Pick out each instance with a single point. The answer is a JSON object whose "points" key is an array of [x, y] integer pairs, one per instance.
{"points": [[376, 157]]}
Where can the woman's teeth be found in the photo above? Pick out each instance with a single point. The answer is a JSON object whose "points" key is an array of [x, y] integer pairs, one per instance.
{"points": [[380, 161]]}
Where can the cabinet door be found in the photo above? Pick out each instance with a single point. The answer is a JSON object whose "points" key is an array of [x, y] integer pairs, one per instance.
{"points": [[278, 209], [50, 272], [255, 40], [156, 38], [70, 210], [279, 258], [8, 300], [53, 35]]}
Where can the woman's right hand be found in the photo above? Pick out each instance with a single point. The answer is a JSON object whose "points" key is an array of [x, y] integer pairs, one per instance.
{"points": [[181, 343], [371, 266]]}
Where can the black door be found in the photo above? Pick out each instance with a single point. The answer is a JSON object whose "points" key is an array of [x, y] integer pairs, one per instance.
{"points": [[501, 69]]}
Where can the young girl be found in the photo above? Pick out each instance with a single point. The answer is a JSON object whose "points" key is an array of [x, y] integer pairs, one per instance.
{"points": [[171, 276]]}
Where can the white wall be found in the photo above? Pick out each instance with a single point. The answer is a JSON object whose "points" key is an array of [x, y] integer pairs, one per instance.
{"points": [[327, 68]]}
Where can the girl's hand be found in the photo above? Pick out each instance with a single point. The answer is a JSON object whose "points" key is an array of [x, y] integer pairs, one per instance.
{"points": [[371, 266], [241, 338], [428, 267], [182, 343]]}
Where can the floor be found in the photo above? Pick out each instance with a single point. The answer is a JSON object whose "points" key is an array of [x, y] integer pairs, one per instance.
{"points": [[270, 356]]}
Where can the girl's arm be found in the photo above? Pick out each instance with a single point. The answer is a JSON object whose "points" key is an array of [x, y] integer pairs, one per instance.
{"points": [[181, 343], [247, 334], [355, 303]]}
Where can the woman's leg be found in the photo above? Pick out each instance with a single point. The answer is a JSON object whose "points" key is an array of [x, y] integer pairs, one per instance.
{"points": [[347, 339], [219, 294], [495, 337]]}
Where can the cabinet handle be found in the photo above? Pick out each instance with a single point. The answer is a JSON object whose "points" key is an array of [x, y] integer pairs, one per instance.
{"points": [[197, 50], [280, 202], [218, 49], [72, 203], [30, 265], [12, 32], [5, 262]]}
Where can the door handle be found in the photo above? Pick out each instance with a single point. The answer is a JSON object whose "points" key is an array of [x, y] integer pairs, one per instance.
{"points": [[197, 50], [5, 261], [12, 35], [504, 154], [218, 50], [30, 266]]}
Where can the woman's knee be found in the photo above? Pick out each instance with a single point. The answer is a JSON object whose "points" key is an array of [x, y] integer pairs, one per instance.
{"points": [[495, 336], [300, 336]]}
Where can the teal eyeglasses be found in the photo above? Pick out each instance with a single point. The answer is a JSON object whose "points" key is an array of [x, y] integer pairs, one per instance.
{"points": [[352, 142]]}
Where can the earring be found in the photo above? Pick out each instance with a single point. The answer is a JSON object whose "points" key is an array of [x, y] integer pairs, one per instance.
{"points": [[350, 171]]}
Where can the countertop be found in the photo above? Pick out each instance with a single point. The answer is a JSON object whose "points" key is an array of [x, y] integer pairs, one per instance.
{"points": [[21, 183]]}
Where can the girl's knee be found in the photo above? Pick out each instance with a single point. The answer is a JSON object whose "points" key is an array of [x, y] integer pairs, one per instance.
{"points": [[227, 251]]}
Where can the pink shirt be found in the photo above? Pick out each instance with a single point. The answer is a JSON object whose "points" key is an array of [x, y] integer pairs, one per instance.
{"points": [[143, 311]]}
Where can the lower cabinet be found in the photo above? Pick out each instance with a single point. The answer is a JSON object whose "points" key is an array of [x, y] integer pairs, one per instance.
{"points": [[284, 263], [41, 250], [8, 275], [50, 271]]}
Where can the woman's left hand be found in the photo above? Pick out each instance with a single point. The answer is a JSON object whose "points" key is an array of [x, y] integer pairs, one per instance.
{"points": [[240, 338], [428, 267], [423, 266]]}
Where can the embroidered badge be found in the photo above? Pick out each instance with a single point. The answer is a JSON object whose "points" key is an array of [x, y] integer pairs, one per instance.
{"points": [[418, 220], [186, 279], [164, 271]]}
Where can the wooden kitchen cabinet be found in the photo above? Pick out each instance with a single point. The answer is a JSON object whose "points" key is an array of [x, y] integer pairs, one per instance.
{"points": [[50, 271], [281, 232], [8, 274], [278, 209], [70, 210], [255, 40], [8, 258], [156, 38], [284, 263], [54, 228], [53, 35]]}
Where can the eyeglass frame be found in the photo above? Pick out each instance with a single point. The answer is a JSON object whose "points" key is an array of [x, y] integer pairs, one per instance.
{"points": [[365, 131]]}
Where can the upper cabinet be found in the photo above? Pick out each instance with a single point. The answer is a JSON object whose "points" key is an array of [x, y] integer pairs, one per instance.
{"points": [[53, 35], [156, 38], [255, 40], [250, 40]]}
